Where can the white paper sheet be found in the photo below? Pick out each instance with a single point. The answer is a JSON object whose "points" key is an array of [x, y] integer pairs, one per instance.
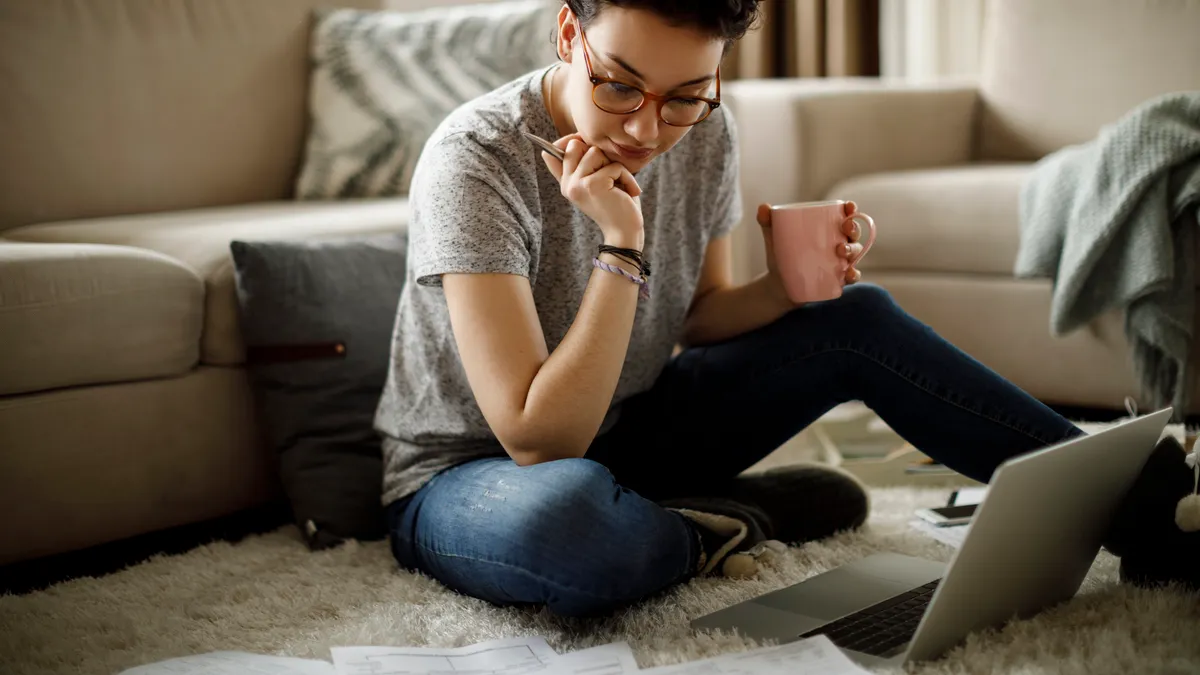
{"points": [[812, 656], [515, 656], [970, 495], [233, 663], [611, 659]]}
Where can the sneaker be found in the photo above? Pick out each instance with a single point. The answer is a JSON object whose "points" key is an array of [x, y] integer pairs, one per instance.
{"points": [[786, 505], [734, 538], [805, 502]]}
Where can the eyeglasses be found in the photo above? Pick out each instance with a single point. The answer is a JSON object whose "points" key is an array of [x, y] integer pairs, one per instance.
{"points": [[619, 98]]}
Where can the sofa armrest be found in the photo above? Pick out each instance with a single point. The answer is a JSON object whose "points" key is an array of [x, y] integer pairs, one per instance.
{"points": [[199, 238], [799, 138]]}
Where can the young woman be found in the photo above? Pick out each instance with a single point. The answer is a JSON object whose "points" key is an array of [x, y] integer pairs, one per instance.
{"points": [[542, 442]]}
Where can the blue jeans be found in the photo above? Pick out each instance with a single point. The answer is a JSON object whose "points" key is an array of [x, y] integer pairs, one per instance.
{"points": [[586, 536]]}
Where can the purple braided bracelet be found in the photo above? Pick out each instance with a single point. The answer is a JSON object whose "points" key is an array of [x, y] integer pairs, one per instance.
{"points": [[643, 290]]}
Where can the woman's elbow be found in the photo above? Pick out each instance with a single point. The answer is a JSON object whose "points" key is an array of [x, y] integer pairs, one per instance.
{"points": [[529, 447]]}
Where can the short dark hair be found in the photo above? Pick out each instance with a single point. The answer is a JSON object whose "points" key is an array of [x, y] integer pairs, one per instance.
{"points": [[723, 19]]}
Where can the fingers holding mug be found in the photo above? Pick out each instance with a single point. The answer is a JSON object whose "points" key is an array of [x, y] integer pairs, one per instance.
{"points": [[850, 251], [853, 230], [764, 215]]}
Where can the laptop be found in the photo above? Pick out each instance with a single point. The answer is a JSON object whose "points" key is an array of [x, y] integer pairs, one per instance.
{"points": [[1030, 545]]}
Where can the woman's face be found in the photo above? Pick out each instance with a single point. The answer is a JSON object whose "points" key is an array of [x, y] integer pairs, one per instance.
{"points": [[639, 49]]}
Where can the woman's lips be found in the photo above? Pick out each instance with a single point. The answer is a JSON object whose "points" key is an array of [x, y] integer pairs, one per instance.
{"points": [[632, 153]]}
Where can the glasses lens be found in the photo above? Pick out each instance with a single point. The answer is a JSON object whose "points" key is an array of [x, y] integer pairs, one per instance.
{"points": [[617, 98], [683, 112]]}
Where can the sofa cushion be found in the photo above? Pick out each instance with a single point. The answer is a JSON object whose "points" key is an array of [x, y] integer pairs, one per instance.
{"points": [[200, 239], [76, 314], [127, 106], [941, 220], [317, 317], [1055, 72]]}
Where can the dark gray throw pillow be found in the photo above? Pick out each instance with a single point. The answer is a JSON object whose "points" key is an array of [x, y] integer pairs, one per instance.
{"points": [[317, 318]]}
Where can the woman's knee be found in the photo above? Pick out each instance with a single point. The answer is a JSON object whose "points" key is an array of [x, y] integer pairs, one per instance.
{"points": [[574, 486], [577, 501], [595, 545], [869, 297], [859, 303], [865, 312], [860, 313]]}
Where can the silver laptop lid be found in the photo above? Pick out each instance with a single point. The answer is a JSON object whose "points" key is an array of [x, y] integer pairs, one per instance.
{"points": [[1037, 533]]}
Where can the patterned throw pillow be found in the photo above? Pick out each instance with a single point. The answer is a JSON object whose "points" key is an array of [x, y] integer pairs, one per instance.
{"points": [[383, 81]]}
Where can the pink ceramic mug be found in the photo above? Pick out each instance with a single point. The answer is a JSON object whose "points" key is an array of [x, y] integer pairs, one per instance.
{"points": [[806, 238]]}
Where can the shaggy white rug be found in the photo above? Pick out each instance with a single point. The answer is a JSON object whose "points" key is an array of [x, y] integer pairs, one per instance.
{"points": [[270, 595]]}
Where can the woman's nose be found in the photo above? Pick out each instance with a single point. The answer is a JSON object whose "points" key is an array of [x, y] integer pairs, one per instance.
{"points": [[643, 124]]}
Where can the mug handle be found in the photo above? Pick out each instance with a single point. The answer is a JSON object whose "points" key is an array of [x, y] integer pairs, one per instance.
{"points": [[870, 238]]}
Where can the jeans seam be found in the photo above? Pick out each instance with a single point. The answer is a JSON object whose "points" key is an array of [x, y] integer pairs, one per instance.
{"points": [[858, 352], [557, 585]]}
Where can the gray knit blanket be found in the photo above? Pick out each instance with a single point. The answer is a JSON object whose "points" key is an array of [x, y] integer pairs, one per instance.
{"points": [[1113, 222]]}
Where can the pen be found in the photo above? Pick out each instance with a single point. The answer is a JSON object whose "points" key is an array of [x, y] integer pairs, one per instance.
{"points": [[545, 145]]}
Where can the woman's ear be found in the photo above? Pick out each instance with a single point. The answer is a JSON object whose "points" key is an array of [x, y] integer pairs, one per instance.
{"points": [[564, 45]]}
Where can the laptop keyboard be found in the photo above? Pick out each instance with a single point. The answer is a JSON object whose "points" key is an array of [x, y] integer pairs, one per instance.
{"points": [[882, 629]]}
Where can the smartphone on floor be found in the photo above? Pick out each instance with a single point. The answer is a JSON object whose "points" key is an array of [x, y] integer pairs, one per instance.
{"points": [[945, 516]]}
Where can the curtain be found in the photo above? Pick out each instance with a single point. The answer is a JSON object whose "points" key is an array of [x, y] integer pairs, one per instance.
{"points": [[809, 38], [931, 39]]}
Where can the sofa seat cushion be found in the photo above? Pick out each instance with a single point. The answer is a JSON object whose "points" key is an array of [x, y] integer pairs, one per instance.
{"points": [[960, 219], [78, 314], [200, 239]]}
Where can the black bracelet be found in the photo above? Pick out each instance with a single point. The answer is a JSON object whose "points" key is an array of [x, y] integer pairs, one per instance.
{"points": [[642, 265], [624, 258], [630, 255]]}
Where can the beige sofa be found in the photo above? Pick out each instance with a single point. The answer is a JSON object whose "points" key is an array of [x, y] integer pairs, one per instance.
{"points": [[140, 138], [939, 167]]}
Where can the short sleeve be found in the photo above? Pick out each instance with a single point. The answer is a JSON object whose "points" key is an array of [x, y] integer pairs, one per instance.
{"points": [[467, 215], [727, 205]]}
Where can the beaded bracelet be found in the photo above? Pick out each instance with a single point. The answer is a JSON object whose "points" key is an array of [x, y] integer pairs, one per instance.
{"points": [[643, 290]]}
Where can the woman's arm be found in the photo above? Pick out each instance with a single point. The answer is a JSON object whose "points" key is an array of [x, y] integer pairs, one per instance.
{"points": [[543, 406], [721, 310]]}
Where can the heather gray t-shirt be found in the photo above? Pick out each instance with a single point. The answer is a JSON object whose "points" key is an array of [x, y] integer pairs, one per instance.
{"points": [[484, 202]]}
